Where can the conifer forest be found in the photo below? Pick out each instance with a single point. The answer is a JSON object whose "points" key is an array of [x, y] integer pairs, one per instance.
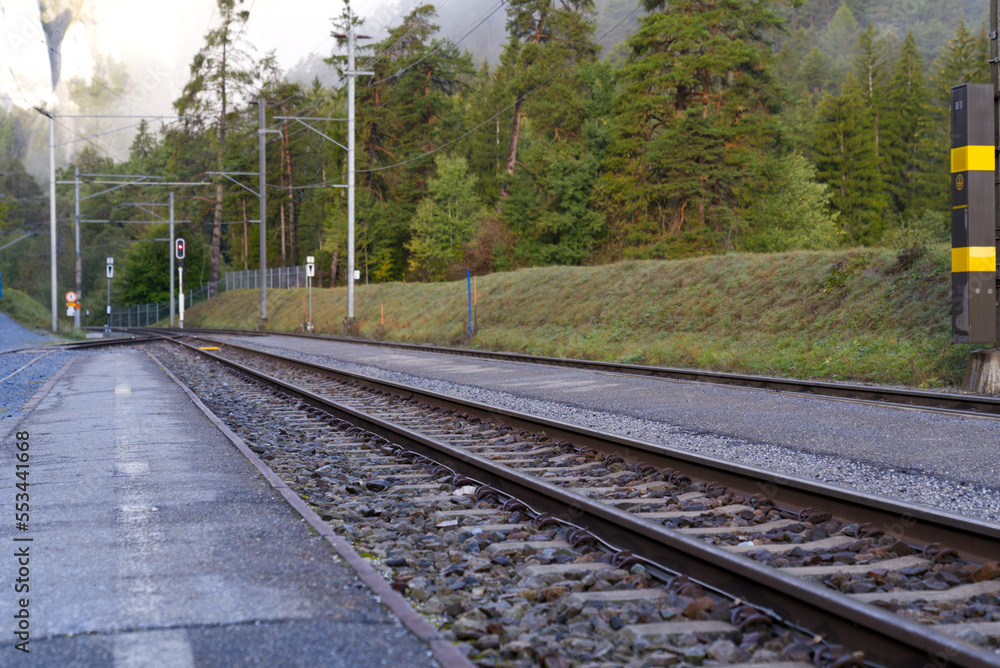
{"points": [[495, 135]]}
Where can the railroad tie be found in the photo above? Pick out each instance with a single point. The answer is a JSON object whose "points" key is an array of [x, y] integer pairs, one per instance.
{"points": [[819, 572], [953, 595]]}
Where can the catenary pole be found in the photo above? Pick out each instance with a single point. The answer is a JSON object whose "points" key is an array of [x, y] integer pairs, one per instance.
{"points": [[351, 36], [52, 217], [352, 74], [350, 170], [262, 137], [54, 278], [76, 234], [172, 253]]}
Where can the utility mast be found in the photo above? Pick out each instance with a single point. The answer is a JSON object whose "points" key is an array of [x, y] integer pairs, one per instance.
{"points": [[350, 326]]}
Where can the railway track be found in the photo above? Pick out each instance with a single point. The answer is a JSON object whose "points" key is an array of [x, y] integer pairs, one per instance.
{"points": [[947, 402], [863, 573], [88, 344]]}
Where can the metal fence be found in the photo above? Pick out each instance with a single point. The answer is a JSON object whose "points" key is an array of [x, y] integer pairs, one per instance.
{"points": [[145, 315], [139, 315], [277, 277]]}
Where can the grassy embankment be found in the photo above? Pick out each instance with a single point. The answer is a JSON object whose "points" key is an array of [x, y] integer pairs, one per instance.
{"points": [[24, 309], [866, 315]]}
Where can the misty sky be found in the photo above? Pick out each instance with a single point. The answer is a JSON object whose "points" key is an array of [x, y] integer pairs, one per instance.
{"points": [[157, 39]]}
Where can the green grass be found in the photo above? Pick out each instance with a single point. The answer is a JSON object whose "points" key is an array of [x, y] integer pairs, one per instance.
{"points": [[25, 310], [863, 315], [30, 313]]}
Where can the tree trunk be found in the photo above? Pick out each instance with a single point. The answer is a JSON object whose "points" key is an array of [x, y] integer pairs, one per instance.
{"points": [[246, 247], [213, 271], [291, 199], [515, 133], [284, 261], [333, 268], [515, 126]]}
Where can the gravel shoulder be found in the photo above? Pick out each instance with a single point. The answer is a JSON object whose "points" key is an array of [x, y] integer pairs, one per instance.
{"points": [[23, 373], [14, 335]]}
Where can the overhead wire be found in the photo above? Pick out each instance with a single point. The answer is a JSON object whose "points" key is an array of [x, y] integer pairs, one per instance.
{"points": [[508, 107], [87, 139], [368, 64], [244, 24], [18, 85], [323, 41], [468, 32], [475, 24], [438, 48], [492, 118]]}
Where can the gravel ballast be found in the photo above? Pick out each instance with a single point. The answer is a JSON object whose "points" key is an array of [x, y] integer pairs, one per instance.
{"points": [[955, 493], [510, 591], [18, 388], [14, 335]]}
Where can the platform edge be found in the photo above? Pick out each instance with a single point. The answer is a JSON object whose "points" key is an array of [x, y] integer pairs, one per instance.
{"points": [[443, 651]]}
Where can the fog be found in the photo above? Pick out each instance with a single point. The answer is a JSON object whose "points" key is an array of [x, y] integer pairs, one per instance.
{"points": [[152, 43]]}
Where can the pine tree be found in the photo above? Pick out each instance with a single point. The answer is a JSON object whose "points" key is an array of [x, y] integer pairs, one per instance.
{"points": [[794, 212], [909, 150], [223, 74], [403, 113], [964, 60], [930, 21], [871, 72], [544, 36], [839, 40], [696, 113], [847, 160]]}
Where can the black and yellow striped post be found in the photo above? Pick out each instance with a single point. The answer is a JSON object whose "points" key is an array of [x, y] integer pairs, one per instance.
{"points": [[973, 216]]}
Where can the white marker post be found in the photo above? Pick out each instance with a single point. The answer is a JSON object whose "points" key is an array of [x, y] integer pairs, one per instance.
{"points": [[180, 288], [310, 272], [180, 250], [111, 274]]}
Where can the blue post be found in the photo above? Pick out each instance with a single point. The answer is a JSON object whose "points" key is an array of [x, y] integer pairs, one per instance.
{"points": [[468, 284]]}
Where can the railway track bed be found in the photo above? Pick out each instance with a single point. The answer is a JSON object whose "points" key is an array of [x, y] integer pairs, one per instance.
{"points": [[904, 454], [466, 553]]}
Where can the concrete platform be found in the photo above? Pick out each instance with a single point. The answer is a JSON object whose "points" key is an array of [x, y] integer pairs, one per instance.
{"points": [[154, 542]]}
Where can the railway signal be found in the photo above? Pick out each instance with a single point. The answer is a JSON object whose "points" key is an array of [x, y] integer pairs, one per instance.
{"points": [[179, 249]]}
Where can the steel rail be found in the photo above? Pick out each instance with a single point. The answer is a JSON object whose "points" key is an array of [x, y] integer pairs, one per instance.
{"points": [[11, 375], [98, 343], [975, 539], [80, 345], [886, 638], [948, 402]]}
